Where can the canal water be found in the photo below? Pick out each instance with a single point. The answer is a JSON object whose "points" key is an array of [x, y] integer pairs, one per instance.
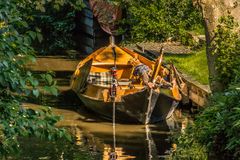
{"points": [[94, 135]]}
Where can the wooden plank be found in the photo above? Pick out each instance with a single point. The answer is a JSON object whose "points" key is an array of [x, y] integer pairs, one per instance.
{"points": [[201, 101], [53, 63], [198, 93]]}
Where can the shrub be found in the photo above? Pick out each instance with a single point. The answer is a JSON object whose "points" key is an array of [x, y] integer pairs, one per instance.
{"points": [[226, 47], [161, 19]]}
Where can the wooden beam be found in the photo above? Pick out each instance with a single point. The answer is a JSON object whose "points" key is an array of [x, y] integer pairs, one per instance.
{"points": [[53, 63]]}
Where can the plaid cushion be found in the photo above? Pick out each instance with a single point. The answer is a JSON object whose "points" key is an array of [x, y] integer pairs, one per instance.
{"points": [[100, 78]]}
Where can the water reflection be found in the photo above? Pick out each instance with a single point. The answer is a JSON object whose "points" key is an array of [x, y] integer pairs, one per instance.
{"points": [[120, 154], [152, 150], [172, 123], [138, 142]]}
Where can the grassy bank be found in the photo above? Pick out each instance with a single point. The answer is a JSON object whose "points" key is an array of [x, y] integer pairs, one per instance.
{"points": [[194, 64]]}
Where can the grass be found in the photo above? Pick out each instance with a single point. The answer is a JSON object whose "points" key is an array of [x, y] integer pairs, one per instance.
{"points": [[194, 64]]}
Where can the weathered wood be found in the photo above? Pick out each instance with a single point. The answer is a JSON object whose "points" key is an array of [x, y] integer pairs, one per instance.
{"points": [[169, 48], [53, 63], [197, 92]]}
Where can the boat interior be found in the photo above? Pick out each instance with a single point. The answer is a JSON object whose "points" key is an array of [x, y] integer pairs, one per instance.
{"points": [[100, 70]]}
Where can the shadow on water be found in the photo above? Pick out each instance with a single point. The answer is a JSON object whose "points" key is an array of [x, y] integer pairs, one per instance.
{"points": [[92, 133]]}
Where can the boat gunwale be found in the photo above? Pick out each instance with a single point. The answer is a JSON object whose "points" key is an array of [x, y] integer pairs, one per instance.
{"points": [[96, 99], [111, 64], [90, 97]]}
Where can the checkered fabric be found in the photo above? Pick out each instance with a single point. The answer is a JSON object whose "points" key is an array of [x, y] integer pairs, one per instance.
{"points": [[100, 78]]}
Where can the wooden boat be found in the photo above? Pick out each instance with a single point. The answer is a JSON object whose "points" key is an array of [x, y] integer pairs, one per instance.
{"points": [[135, 103]]}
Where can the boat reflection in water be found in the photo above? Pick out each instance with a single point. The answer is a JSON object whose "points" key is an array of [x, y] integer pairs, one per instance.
{"points": [[138, 142], [151, 145], [121, 155], [132, 141]]}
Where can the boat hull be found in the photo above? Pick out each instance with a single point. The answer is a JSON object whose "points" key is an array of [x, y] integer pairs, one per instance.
{"points": [[105, 109], [133, 107], [164, 108], [94, 77]]}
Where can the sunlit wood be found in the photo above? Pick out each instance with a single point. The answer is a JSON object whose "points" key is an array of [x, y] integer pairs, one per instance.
{"points": [[92, 82]]}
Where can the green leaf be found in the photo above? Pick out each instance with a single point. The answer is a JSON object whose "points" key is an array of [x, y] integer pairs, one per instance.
{"points": [[32, 34], [39, 37], [35, 82], [54, 91], [68, 137], [27, 40], [24, 23], [32, 58], [22, 82], [35, 92], [49, 79], [5, 63]]}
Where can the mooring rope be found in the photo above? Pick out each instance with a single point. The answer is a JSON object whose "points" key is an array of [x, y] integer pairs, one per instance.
{"points": [[113, 155], [114, 125], [149, 108]]}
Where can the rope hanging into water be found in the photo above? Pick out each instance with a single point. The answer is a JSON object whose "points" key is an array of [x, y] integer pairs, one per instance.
{"points": [[114, 125], [113, 92]]}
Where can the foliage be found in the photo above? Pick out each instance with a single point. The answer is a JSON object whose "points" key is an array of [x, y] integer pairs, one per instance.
{"points": [[226, 46], [216, 129], [188, 147], [16, 37], [55, 21], [215, 132], [54, 150], [57, 24], [17, 121], [194, 64], [158, 20]]}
